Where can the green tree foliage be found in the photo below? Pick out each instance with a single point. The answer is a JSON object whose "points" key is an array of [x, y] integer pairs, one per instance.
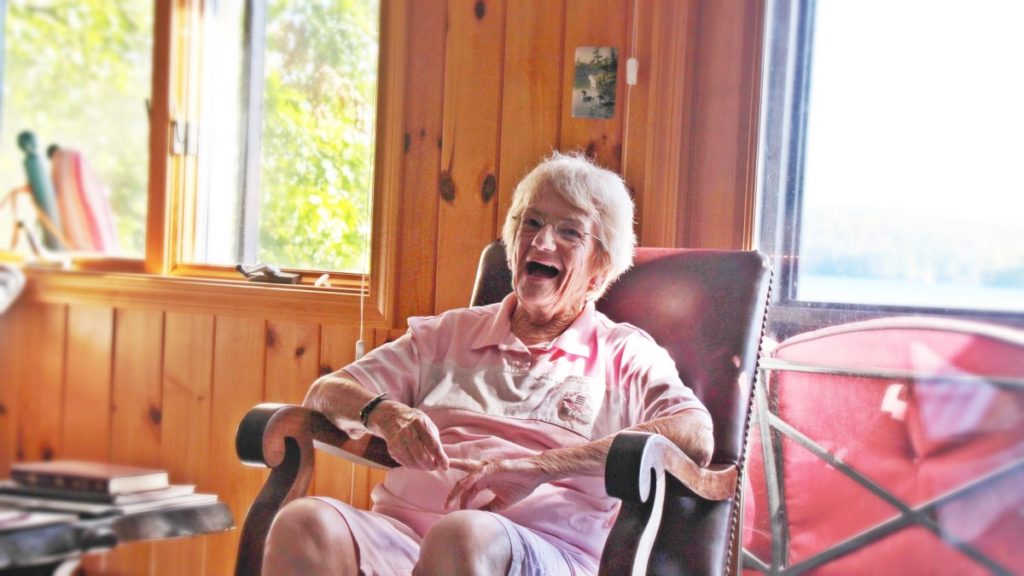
{"points": [[77, 73], [320, 106]]}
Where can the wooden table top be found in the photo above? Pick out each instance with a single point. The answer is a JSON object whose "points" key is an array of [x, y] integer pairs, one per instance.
{"points": [[54, 543]]}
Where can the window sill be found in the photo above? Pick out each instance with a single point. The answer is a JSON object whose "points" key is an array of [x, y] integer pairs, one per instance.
{"points": [[122, 289]]}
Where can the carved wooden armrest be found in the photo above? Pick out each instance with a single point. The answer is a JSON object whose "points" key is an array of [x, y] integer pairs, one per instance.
{"points": [[282, 437], [635, 473]]}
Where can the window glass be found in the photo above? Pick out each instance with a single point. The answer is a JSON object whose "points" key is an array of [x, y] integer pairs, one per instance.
{"points": [[287, 134], [913, 153], [896, 178], [77, 74]]}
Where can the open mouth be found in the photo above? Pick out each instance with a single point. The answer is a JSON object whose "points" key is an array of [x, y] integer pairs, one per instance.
{"points": [[541, 270]]}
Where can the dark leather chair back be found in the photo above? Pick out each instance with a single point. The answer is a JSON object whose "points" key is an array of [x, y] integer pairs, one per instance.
{"points": [[707, 308]]}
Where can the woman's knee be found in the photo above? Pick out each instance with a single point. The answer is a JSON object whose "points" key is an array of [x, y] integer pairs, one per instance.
{"points": [[309, 534], [310, 517], [466, 542]]}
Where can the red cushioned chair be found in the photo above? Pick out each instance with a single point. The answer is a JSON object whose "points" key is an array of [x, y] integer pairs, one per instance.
{"points": [[707, 308], [897, 446]]}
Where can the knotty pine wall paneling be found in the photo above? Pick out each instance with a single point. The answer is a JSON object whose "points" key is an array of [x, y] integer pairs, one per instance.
{"points": [[89, 355], [671, 44], [469, 144], [137, 412], [635, 103], [293, 350], [421, 144], [87, 373], [531, 100], [717, 192], [10, 355], [41, 381], [594, 23], [186, 387], [239, 351]]}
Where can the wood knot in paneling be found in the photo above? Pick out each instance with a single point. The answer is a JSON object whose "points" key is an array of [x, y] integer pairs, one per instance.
{"points": [[488, 188], [155, 416], [406, 142], [300, 351], [446, 186], [480, 9], [3, 410], [271, 338], [47, 453]]}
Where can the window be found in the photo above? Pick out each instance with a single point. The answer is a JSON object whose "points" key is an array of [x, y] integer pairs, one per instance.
{"points": [[287, 134], [890, 134], [70, 68], [271, 123]]}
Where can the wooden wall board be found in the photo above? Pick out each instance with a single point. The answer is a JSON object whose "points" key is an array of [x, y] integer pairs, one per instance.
{"points": [[719, 200], [531, 101], [41, 382], [469, 147], [594, 23], [336, 477], [292, 352], [637, 104], [238, 371], [187, 387], [137, 412], [10, 405], [672, 49], [87, 377], [420, 200]]}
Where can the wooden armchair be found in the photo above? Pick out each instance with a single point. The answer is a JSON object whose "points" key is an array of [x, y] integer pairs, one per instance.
{"points": [[707, 309]]}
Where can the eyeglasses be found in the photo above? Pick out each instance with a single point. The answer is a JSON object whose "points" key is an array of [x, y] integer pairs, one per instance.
{"points": [[567, 232]]}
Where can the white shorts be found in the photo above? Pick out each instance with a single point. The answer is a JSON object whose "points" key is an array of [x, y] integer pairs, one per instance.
{"points": [[387, 547]]}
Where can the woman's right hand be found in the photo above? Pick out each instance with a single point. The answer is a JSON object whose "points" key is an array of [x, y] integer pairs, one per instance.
{"points": [[412, 438]]}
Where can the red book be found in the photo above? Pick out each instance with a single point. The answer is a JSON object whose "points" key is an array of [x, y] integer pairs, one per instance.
{"points": [[95, 477]]}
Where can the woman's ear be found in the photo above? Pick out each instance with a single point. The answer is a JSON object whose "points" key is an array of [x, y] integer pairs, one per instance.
{"points": [[596, 281]]}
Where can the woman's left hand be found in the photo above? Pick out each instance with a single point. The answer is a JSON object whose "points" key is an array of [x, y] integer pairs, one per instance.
{"points": [[509, 480]]}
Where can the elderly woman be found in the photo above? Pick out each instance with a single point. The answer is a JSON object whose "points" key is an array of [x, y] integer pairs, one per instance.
{"points": [[502, 415]]}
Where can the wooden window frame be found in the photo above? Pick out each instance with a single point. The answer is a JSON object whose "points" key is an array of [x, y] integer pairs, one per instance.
{"points": [[161, 279]]}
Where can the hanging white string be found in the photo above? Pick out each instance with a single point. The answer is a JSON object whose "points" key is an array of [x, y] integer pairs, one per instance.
{"points": [[363, 278], [632, 66]]}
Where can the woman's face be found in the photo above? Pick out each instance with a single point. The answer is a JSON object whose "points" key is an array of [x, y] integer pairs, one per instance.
{"points": [[556, 257]]}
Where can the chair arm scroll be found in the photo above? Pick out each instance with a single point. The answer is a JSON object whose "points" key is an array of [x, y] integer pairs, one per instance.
{"points": [[282, 437], [635, 473], [635, 455], [263, 433]]}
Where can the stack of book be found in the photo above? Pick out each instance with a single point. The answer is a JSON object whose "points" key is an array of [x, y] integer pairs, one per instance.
{"points": [[93, 488]]}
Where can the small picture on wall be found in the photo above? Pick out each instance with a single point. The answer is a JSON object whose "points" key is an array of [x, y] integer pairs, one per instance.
{"points": [[594, 83]]}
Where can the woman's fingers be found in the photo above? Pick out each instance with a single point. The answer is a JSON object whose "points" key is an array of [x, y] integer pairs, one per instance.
{"points": [[416, 443], [468, 487], [430, 439]]}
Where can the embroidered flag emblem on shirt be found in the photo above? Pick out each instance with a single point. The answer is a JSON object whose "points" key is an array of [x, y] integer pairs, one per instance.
{"points": [[576, 406]]}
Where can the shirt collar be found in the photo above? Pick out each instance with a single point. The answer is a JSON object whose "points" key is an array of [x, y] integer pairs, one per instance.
{"points": [[575, 340]]}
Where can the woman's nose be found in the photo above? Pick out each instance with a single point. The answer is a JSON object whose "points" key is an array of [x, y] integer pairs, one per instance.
{"points": [[544, 239]]}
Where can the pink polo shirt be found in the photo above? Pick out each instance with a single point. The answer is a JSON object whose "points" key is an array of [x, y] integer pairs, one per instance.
{"points": [[491, 396]]}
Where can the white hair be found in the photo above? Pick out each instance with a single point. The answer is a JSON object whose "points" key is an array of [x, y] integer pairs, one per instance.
{"points": [[587, 187]]}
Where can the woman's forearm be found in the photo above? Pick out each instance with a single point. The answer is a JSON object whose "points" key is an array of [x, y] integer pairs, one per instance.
{"points": [[689, 430], [340, 398]]}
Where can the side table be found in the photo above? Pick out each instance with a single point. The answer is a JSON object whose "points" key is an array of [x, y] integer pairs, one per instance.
{"points": [[57, 548]]}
